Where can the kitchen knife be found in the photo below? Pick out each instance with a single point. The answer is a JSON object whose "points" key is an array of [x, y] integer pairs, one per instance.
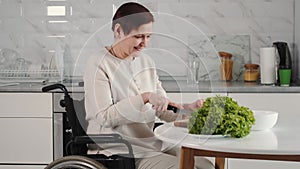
{"points": [[176, 110], [180, 122]]}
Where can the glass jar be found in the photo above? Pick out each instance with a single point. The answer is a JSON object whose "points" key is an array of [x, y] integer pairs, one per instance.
{"points": [[192, 70], [251, 73], [226, 66]]}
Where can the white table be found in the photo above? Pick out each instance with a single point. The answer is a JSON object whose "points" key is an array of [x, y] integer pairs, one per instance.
{"points": [[280, 143]]}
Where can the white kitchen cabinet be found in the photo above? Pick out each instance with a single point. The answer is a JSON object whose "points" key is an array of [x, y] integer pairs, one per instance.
{"points": [[286, 104], [26, 129], [22, 167]]}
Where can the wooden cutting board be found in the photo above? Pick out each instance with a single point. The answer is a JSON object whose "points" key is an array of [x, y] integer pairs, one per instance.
{"points": [[181, 123]]}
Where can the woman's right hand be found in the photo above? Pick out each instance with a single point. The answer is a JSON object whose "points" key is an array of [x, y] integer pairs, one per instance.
{"points": [[158, 101]]}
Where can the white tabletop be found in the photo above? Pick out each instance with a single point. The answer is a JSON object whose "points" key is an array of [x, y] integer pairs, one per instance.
{"points": [[283, 138]]}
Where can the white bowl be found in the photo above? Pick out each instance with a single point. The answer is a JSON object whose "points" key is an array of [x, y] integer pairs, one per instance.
{"points": [[264, 120]]}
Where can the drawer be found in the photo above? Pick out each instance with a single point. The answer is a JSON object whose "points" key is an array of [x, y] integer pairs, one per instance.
{"points": [[26, 105], [26, 140]]}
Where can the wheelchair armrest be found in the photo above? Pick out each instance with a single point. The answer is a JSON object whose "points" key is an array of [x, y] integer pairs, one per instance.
{"points": [[98, 138], [101, 138]]}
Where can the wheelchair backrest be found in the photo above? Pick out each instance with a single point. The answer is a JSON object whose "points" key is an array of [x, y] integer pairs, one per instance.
{"points": [[76, 113]]}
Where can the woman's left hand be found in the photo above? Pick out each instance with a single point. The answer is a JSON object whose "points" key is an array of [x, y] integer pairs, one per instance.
{"points": [[195, 105], [178, 106]]}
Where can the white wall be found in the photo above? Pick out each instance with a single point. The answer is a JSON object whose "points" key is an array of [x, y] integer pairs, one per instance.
{"points": [[26, 28]]}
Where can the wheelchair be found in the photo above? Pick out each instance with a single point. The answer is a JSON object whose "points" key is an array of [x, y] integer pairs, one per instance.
{"points": [[77, 147], [75, 162]]}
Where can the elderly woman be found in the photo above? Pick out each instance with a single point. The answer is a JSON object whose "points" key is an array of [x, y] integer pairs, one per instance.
{"points": [[123, 93]]}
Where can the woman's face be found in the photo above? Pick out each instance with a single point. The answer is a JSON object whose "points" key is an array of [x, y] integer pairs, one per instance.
{"points": [[136, 40]]}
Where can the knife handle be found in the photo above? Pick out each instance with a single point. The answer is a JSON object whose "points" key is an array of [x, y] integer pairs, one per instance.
{"points": [[174, 109]]}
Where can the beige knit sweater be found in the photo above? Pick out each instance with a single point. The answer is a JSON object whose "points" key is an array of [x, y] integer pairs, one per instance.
{"points": [[113, 90]]}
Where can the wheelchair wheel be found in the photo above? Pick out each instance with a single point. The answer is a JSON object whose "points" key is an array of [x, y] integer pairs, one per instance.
{"points": [[75, 162]]}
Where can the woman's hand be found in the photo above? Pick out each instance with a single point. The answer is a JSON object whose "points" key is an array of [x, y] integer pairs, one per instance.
{"points": [[194, 106], [158, 101]]}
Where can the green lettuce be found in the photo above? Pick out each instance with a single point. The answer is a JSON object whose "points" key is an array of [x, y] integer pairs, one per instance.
{"points": [[221, 115]]}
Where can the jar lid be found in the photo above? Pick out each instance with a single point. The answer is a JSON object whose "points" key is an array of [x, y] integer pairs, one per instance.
{"points": [[225, 54], [251, 66]]}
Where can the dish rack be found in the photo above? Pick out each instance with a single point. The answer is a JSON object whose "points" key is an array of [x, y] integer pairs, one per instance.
{"points": [[30, 75]]}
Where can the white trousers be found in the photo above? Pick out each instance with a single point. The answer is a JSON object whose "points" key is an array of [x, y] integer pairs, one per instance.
{"points": [[156, 160], [170, 160], [167, 161]]}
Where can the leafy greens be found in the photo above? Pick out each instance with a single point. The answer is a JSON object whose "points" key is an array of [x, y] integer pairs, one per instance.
{"points": [[221, 115]]}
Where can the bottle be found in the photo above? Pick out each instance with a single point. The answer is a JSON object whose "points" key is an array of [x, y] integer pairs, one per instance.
{"points": [[226, 66]]}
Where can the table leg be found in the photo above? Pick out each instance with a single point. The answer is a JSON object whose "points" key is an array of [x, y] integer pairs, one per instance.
{"points": [[186, 158], [219, 163]]}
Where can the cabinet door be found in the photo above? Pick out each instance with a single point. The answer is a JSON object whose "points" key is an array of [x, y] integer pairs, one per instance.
{"points": [[26, 105], [285, 104], [26, 140], [26, 128], [261, 164]]}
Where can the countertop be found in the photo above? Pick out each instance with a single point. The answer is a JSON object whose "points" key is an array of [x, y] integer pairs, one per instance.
{"points": [[171, 86], [226, 87]]}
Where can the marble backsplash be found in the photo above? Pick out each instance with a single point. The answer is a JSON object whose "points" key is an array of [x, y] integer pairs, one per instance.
{"points": [[231, 25], [206, 50]]}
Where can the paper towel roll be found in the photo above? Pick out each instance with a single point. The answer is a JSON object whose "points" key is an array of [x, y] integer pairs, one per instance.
{"points": [[267, 65]]}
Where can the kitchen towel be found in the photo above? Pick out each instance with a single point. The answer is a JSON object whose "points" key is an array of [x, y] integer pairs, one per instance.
{"points": [[267, 65]]}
